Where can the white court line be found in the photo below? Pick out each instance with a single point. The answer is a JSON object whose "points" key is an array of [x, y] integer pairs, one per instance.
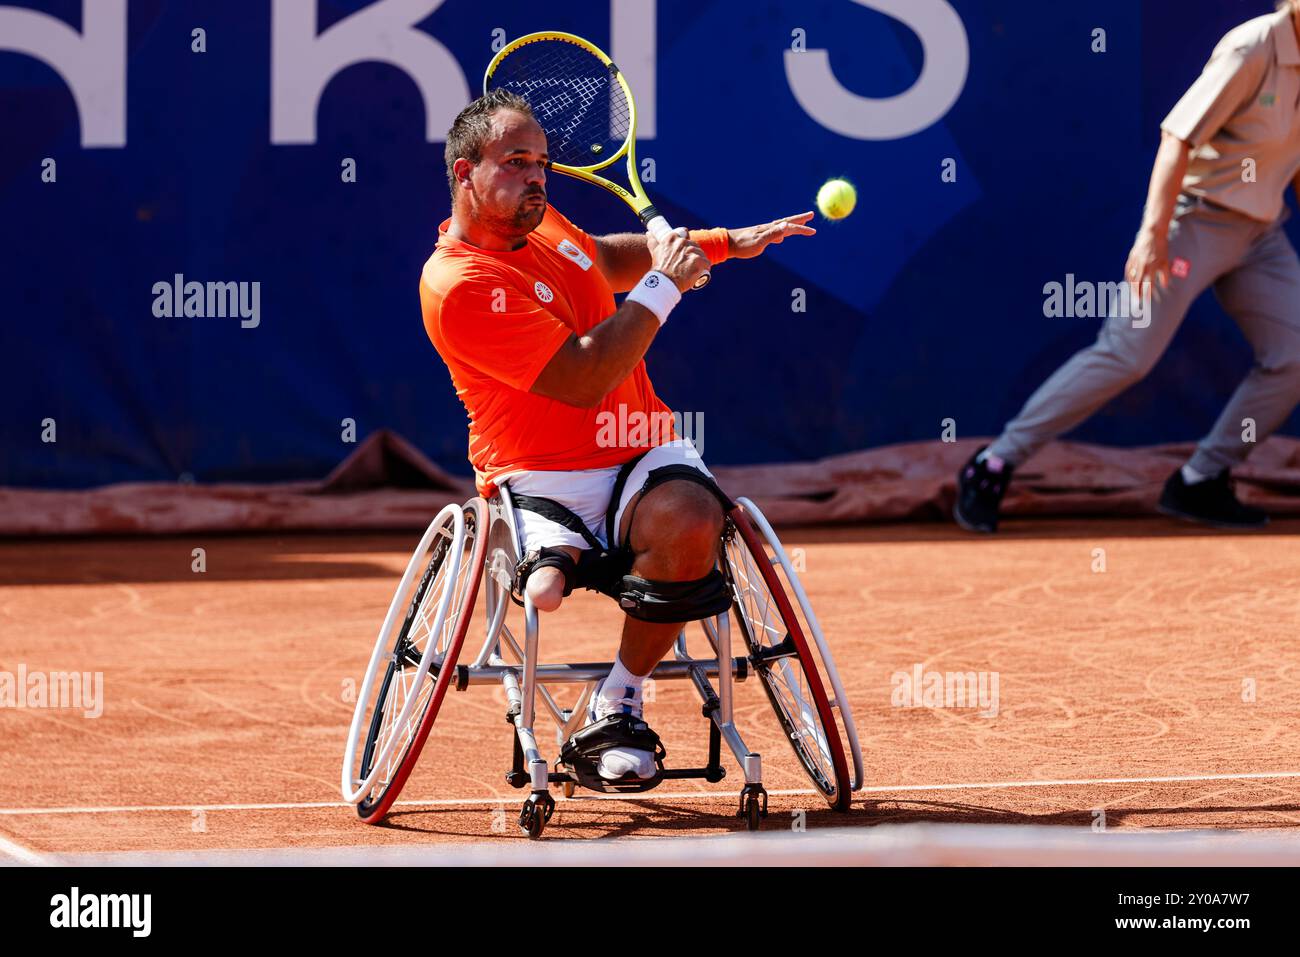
{"points": [[22, 854], [656, 796], [1085, 781]]}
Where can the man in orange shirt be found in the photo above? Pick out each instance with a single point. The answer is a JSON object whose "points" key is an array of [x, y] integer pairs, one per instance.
{"points": [[520, 305]]}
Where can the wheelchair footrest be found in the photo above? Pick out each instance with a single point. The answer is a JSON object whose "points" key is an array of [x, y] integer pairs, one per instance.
{"points": [[713, 775], [580, 756], [632, 786]]}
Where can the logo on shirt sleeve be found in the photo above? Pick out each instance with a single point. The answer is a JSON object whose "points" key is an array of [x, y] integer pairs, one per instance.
{"points": [[570, 251], [543, 291]]}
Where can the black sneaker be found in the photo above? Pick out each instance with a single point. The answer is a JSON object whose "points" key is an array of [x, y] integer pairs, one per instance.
{"points": [[1211, 502], [979, 495]]}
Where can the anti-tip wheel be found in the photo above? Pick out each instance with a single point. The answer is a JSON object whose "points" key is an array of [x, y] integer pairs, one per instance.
{"points": [[753, 806], [536, 813]]}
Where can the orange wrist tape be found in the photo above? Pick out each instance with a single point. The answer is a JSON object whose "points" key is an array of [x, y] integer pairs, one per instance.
{"points": [[714, 242]]}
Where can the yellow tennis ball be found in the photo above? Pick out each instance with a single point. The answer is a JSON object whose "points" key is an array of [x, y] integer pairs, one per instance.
{"points": [[836, 198]]}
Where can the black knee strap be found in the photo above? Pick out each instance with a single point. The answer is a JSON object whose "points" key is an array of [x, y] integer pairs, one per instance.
{"points": [[549, 557], [673, 602], [595, 569], [581, 753], [686, 473], [669, 473], [602, 570], [605, 569]]}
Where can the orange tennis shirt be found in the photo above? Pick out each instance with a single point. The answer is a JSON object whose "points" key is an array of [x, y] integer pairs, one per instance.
{"points": [[497, 318]]}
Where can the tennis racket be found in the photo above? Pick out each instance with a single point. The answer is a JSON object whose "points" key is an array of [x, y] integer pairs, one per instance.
{"points": [[585, 107]]}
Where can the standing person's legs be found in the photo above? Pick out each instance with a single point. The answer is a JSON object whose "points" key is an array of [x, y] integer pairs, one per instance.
{"points": [[1210, 242], [1263, 296], [1126, 348], [1121, 356]]}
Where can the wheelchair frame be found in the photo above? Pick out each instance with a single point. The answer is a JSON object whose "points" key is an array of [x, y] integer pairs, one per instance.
{"points": [[526, 679]]}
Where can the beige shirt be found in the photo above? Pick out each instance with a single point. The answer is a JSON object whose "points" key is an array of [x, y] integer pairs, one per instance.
{"points": [[1244, 106]]}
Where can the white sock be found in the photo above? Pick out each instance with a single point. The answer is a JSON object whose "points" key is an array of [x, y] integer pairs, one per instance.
{"points": [[617, 762], [995, 463], [619, 680], [1191, 476]]}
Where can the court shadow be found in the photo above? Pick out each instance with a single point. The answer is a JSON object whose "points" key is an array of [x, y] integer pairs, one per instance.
{"points": [[645, 817], [605, 820]]}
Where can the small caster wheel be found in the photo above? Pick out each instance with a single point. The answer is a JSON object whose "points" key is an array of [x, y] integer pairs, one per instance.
{"points": [[569, 789], [753, 806], [536, 813]]}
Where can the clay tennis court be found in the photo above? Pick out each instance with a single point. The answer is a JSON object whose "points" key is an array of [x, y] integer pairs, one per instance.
{"points": [[1161, 692]]}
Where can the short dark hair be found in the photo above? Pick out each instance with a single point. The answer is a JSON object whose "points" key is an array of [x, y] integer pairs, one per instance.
{"points": [[473, 126]]}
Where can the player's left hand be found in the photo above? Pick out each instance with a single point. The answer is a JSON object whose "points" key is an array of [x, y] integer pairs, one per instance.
{"points": [[749, 242]]}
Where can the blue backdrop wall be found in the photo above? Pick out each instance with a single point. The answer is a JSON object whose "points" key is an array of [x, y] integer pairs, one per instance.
{"points": [[926, 304]]}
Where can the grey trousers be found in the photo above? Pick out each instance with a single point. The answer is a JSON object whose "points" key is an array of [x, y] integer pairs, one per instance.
{"points": [[1256, 277]]}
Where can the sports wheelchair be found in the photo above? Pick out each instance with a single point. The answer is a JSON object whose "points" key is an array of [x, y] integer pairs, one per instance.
{"points": [[416, 661]]}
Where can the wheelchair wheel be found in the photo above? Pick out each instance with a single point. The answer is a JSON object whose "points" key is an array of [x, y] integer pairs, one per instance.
{"points": [[414, 660], [780, 653]]}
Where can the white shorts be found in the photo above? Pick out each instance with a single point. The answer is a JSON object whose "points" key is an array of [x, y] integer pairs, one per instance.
{"points": [[586, 493]]}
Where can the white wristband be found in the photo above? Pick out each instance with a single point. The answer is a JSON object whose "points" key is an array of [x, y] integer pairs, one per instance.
{"points": [[657, 293]]}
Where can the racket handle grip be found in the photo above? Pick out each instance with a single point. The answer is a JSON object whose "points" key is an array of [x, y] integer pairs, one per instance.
{"points": [[659, 228]]}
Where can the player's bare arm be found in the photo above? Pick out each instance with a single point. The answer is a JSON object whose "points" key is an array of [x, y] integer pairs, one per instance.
{"points": [[587, 368], [623, 258], [750, 241]]}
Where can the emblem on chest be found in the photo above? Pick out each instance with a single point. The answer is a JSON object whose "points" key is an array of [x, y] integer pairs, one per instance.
{"points": [[570, 251]]}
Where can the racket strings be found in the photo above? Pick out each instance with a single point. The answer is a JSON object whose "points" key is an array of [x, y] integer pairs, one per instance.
{"points": [[575, 98]]}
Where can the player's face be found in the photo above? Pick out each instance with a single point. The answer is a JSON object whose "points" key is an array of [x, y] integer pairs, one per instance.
{"points": [[510, 181]]}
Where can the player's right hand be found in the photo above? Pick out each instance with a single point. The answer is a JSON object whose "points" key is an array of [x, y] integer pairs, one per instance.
{"points": [[678, 258], [1148, 262]]}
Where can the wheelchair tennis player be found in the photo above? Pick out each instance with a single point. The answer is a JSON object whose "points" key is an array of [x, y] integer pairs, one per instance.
{"points": [[519, 303]]}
